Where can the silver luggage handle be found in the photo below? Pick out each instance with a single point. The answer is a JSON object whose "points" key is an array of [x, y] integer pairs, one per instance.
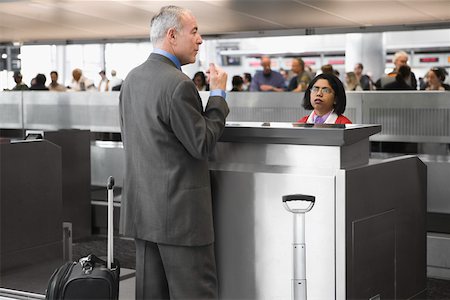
{"points": [[110, 183], [298, 197], [298, 244], [110, 186]]}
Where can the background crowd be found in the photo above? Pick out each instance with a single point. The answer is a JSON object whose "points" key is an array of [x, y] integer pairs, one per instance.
{"points": [[265, 80], [78, 82], [300, 75]]}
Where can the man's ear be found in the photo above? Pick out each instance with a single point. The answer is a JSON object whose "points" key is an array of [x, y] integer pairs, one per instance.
{"points": [[171, 35]]}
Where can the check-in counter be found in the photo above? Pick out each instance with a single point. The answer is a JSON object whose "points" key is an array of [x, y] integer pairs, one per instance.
{"points": [[365, 236], [76, 178], [30, 205]]}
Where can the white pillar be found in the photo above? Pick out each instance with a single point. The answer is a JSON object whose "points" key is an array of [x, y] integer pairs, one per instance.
{"points": [[368, 49]]}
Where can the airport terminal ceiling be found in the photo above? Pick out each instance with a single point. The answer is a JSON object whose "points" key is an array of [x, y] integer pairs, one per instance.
{"points": [[43, 21]]}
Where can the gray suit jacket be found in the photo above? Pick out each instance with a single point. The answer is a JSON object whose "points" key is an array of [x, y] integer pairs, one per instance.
{"points": [[167, 138]]}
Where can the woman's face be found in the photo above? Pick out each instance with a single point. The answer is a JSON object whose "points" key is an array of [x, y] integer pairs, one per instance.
{"points": [[322, 97], [433, 79]]}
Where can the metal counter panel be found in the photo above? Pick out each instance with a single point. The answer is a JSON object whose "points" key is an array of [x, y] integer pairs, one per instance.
{"points": [[254, 234], [11, 110], [298, 134], [406, 116], [409, 116], [438, 188], [107, 159], [93, 111]]}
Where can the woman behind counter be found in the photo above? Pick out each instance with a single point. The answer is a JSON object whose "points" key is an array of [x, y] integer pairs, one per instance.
{"points": [[325, 95], [435, 80]]}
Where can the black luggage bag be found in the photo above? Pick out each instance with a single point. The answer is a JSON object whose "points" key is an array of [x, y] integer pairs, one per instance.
{"points": [[91, 277]]}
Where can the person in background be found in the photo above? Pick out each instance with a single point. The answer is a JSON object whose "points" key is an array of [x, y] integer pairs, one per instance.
{"points": [[115, 82], [168, 138], [326, 97], [310, 71], [364, 80], [267, 80], [80, 83], [422, 83], [199, 80], [247, 81], [238, 84], [103, 85], [400, 59], [208, 79], [400, 83], [300, 81], [435, 80], [328, 69], [54, 86], [20, 86], [285, 75], [39, 83], [352, 82], [336, 73]]}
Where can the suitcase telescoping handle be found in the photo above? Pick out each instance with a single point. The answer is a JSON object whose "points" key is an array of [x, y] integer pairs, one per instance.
{"points": [[110, 186], [298, 197], [298, 243]]}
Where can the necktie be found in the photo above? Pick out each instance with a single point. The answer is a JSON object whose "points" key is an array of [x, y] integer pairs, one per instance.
{"points": [[319, 120]]}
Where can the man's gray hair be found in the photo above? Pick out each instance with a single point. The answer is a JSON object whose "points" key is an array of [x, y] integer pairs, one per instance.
{"points": [[168, 17], [399, 54]]}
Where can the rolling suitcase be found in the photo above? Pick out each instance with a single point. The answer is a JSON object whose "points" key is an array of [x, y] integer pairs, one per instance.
{"points": [[298, 244], [90, 277]]}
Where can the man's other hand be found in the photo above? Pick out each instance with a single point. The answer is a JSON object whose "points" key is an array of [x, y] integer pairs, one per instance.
{"points": [[218, 78]]}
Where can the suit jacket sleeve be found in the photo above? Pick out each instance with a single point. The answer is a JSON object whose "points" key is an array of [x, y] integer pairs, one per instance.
{"points": [[196, 129]]}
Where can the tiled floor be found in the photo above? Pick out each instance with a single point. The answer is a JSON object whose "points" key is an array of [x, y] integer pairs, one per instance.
{"points": [[34, 278], [126, 290], [437, 289]]}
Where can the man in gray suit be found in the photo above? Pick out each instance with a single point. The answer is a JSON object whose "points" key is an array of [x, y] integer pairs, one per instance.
{"points": [[167, 136]]}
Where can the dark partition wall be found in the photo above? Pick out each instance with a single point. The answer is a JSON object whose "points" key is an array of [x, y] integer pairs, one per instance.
{"points": [[386, 230], [76, 178], [30, 204]]}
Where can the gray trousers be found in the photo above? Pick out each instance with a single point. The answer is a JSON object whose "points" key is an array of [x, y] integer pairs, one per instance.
{"points": [[175, 272]]}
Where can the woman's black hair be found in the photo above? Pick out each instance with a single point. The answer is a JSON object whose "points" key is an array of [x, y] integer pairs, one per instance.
{"points": [[202, 76], [339, 93], [41, 79], [248, 76], [237, 81], [439, 72]]}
